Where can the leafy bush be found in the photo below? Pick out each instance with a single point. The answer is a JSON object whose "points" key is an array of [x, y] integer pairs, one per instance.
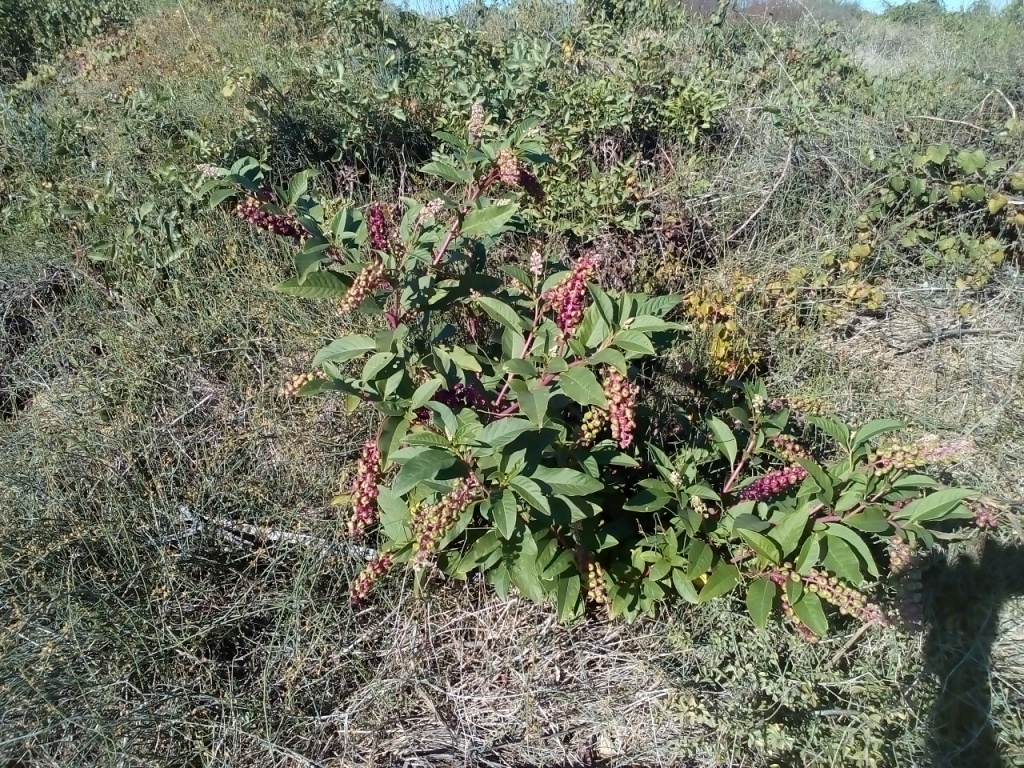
{"points": [[34, 28], [521, 437]]}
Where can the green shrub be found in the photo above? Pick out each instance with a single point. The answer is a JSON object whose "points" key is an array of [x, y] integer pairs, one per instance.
{"points": [[521, 436], [32, 29]]}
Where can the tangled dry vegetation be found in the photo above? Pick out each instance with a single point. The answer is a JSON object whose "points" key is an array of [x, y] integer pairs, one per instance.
{"points": [[173, 579]]}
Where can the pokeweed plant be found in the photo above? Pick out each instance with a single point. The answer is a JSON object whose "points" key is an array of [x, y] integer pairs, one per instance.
{"points": [[514, 440]]}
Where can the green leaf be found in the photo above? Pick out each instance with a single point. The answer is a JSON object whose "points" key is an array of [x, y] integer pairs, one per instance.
{"points": [[567, 481], [659, 306], [871, 520], [524, 570], [724, 439], [684, 586], [581, 385], [762, 545], [839, 531], [634, 341], [531, 493], [568, 592], [464, 359], [761, 596], [647, 500], [501, 312], [833, 428], [610, 357], [377, 364], [723, 578], [348, 348], [425, 466], [937, 153], [447, 172], [934, 506], [316, 285], [425, 391], [788, 533], [534, 404], [651, 324], [841, 560], [489, 220], [876, 427], [810, 611], [504, 512], [820, 477], [810, 553], [699, 559], [500, 433]]}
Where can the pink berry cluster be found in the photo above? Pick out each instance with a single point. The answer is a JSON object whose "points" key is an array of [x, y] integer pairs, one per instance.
{"points": [[364, 489], [364, 582], [430, 522], [773, 483], [594, 421], [378, 228], [621, 395], [568, 298], [984, 517], [366, 282], [509, 168], [251, 210]]}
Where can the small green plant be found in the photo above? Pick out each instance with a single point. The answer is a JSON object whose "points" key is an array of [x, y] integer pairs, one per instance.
{"points": [[517, 439]]}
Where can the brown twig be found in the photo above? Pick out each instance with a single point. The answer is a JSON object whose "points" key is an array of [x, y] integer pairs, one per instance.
{"points": [[951, 333]]}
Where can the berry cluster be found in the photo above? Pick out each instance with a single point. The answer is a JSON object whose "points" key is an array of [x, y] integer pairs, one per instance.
{"points": [[907, 456], [905, 568], [509, 168], [251, 210], [805, 631], [621, 394], [984, 517], [364, 489], [430, 522], [848, 600], [476, 122], [291, 387], [597, 593], [430, 211], [775, 482], [594, 420], [378, 228], [809, 406], [364, 581], [788, 449], [568, 298], [536, 263], [366, 282], [463, 395]]}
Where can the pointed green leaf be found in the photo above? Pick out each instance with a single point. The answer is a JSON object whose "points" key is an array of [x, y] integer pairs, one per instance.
{"points": [[811, 612], [487, 221], [581, 385], [425, 466], [684, 586], [501, 312], [316, 285], [788, 533], [761, 596], [876, 427], [531, 493], [504, 512], [724, 439], [723, 578]]}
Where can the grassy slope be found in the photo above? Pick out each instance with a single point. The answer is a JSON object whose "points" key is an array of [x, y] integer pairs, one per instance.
{"points": [[138, 399]]}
